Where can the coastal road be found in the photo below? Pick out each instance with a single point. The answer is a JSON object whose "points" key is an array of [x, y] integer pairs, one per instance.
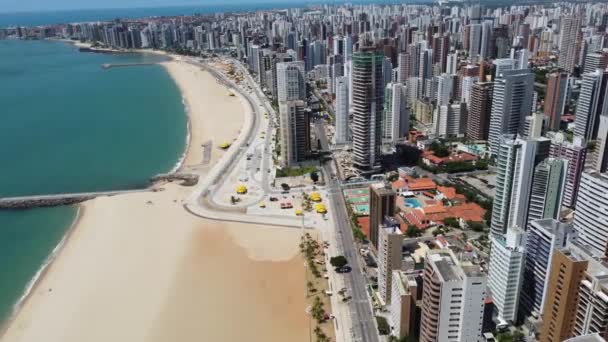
{"points": [[362, 317], [363, 320]]}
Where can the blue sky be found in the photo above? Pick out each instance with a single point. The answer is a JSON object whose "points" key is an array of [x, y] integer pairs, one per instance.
{"points": [[11, 6]]}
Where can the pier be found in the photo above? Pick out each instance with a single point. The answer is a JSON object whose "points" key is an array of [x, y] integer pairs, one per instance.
{"points": [[124, 65], [38, 201]]}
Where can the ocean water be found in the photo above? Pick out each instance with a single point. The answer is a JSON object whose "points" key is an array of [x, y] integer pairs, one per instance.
{"points": [[66, 125]]}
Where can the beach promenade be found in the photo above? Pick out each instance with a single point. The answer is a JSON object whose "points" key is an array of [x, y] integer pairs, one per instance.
{"points": [[150, 270]]}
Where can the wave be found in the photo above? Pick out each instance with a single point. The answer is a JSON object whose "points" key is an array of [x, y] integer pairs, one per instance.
{"points": [[182, 158]]}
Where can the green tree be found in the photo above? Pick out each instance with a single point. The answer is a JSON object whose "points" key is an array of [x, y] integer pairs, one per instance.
{"points": [[383, 327], [285, 186], [314, 176], [338, 261], [475, 226], [439, 149], [451, 222], [412, 231]]}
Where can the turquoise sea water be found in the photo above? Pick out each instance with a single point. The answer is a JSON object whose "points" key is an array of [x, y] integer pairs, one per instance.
{"points": [[66, 125]]}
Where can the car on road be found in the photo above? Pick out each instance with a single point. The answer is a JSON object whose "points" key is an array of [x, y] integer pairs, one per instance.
{"points": [[273, 199]]}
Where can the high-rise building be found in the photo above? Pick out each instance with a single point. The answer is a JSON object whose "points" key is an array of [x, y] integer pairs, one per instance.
{"points": [[403, 65], [381, 205], [515, 166], [590, 218], [342, 135], [590, 104], [390, 246], [452, 299], [511, 103], [404, 308], [548, 186], [368, 101], [568, 36], [480, 107], [395, 112], [505, 273], [575, 153], [295, 131], [543, 237], [555, 100], [594, 61], [475, 36], [503, 64], [450, 120], [565, 275], [291, 81], [600, 150]]}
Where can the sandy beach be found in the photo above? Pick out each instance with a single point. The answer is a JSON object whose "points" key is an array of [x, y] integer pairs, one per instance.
{"points": [[138, 267]]}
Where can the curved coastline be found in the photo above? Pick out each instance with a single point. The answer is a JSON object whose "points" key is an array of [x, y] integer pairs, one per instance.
{"points": [[36, 280]]}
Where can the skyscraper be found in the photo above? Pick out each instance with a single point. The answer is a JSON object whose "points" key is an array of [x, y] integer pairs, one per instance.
{"points": [[515, 165], [394, 112], [590, 218], [389, 259], [452, 299], [565, 275], [480, 107], [555, 99], [600, 150], [543, 237], [291, 82], [505, 273], [342, 135], [575, 153], [368, 101], [568, 35], [381, 205], [403, 64], [295, 131], [590, 104], [511, 103], [548, 186]]}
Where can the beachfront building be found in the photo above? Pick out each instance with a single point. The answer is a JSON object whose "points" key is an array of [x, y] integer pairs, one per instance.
{"points": [[390, 246], [452, 299], [548, 185], [381, 205], [295, 132], [590, 104]]}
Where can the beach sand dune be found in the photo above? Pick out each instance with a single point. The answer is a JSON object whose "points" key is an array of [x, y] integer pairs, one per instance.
{"points": [[139, 267]]}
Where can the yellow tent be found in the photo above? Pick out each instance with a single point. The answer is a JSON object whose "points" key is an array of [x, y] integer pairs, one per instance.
{"points": [[298, 212], [262, 205], [315, 197], [241, 189], [224, 145], [320, 207]]}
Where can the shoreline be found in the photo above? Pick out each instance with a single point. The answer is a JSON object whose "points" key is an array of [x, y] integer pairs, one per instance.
{"points": [[46, 266]]}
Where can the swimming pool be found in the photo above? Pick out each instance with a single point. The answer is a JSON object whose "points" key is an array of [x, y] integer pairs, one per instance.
{"points": [[362, 209], [412, 203]]}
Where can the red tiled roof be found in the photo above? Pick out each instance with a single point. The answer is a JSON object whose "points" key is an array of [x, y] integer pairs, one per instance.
{"points": [[420, 184]]}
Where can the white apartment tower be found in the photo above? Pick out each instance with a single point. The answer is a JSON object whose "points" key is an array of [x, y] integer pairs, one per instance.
{"points": [[342, 135], [394, 112], [505, 274], [291, 82], [452, 300], [590, 218], [511, 103]]}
